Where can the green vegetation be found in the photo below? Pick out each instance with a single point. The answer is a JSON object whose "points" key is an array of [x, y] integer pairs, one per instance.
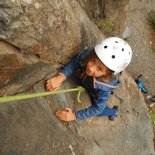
{"points": [[152, 111], [153, 47], [105, 25], [152, 19], [152, 114]]}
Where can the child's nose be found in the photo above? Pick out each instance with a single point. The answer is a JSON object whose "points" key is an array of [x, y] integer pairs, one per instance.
{"points": [[92, 69]]}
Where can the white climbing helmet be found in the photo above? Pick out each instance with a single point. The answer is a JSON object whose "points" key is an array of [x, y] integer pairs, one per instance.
{"points": [[115, 53]]}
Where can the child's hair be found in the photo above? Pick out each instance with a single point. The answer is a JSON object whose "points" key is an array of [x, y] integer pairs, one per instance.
{"points": [[92, 55]]}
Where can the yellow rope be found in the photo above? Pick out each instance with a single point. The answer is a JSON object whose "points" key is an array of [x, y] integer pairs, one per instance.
{"points": [[28, 96]]}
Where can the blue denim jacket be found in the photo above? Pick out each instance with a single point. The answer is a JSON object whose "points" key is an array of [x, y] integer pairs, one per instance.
{"points": [[98, 90]]}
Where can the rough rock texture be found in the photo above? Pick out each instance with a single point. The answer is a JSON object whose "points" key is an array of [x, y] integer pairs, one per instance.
{"points": [[143, 57], [112, 10], [45, 32], [19, 71], [29, 127], [37, 38]]}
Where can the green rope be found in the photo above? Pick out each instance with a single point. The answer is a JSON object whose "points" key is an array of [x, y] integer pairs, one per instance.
{"points": [[28, 96]]}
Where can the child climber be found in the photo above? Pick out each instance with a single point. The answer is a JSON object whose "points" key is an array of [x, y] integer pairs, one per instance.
{"points": [[97, 68]]}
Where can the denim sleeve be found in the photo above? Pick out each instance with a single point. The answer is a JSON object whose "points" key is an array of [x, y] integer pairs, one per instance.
{"points": [[74, 64], [99, 104]]}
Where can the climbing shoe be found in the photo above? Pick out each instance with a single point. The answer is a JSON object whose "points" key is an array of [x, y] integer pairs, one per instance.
{"points": [[112, 118]]}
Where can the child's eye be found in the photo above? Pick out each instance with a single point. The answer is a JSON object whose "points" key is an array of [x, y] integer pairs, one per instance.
{"points": [[99, 69]]}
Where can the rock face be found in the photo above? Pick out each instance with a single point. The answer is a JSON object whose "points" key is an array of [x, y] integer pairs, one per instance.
{"points": [[46, 34], [38, 37], [30, 126], [143, 53], [110, 10]]}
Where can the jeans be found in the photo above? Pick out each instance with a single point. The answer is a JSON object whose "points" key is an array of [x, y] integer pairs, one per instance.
{"points": [[108, 112]]}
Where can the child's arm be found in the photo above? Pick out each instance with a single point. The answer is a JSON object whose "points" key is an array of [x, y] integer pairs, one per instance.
{"points": [[55, 82], [98, 107], [99, 104], [74, 64]]}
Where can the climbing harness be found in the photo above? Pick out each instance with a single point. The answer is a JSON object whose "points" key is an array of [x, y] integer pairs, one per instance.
{"points": [[28, 96]]}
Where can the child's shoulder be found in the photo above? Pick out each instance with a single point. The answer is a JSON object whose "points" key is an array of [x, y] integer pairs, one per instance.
{"points": [[83, 55], [106, 86], [86, 51]]}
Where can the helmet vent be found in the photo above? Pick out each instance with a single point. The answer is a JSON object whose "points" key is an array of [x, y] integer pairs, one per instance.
{"points": [[105, 46], [116, 41], [113, 56], [123, 49]]}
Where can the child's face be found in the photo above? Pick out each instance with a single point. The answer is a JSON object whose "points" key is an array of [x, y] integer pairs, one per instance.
{"points": [[96, 68]]}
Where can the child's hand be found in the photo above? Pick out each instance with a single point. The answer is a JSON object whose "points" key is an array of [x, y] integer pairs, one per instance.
{"points": [[66, 115], [55, 82]]}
